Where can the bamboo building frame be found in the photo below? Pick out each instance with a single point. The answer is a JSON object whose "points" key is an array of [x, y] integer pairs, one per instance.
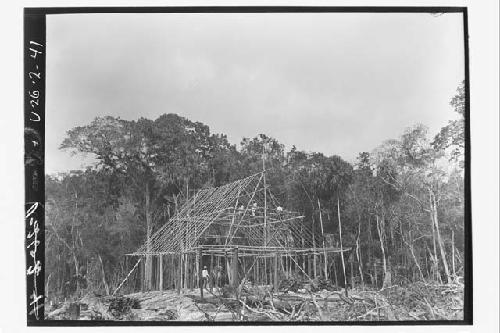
{"points": [[229, 224]]}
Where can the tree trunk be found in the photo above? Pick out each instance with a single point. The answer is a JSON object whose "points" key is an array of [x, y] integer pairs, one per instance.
{"points": [[453, 253], [358, 254], [370, 238], [380, 229], [106, 287], [438, 234], [147, 211], [47, 286], [341, 248], [323, 240], [314, 247], [77, 269], [410, 246], [434, 260]]}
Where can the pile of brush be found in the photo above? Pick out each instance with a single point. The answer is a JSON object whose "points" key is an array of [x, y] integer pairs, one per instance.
{"points": [[291, 284], [121, 306], [320, 283]]}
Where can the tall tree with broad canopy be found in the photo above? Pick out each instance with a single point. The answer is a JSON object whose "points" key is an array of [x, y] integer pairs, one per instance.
{"points": [[160, 160], [452, 136]]}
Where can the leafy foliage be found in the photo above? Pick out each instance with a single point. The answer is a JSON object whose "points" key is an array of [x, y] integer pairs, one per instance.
{"points": [[400, 203], [452, 136]]}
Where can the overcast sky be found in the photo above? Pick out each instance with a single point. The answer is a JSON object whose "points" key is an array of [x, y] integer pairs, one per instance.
{"points": [[335, 83]]}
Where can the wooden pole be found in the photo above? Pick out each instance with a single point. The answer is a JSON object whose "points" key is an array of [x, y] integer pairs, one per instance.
{"points": [[271, 277], [309, 265], [254, 278], [143, 275], [334, 266], [201, 281], [265, 270], [212, 276], [283, 264], [234, 268], [315, 267], [257, 271], [161, 272], [228, 268], [179, 274], [186, 271], [244, 263], [198, 268], [169, 272], [275, 272]]}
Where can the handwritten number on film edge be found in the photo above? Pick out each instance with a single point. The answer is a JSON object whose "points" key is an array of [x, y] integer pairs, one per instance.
{"points": [[35, 75]]}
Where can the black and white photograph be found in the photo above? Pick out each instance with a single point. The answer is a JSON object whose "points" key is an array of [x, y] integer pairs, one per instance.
{"points": [[252, 167]]}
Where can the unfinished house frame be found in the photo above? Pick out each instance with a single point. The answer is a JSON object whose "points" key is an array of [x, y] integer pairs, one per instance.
{"points": [[238, 231]]}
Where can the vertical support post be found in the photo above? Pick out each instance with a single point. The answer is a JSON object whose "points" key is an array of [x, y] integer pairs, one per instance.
{"points": [[201, 281], [227, 268], [315, 268], [161, 272], [179, 274], [287, 265], [198, 269], [271, 277], [257, 271], [334, 266], [303, 262], [143, 276], [276, 272], [265, 270], [326, 266], [309, 266], [173, 272], [157, 273], [253, 273], [244, 263], [212, 275], [169, 272], [186, 271], [296, 264], [234, 268]]}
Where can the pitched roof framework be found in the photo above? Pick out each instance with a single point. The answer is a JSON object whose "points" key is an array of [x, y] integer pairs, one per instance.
{"points": [[243, 214]]}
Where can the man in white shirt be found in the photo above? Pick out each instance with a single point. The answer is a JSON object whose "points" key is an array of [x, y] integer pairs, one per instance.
{"points": [[204, 276]]}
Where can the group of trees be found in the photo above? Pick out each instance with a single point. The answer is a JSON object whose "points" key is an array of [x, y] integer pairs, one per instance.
{"points": [[401, 206]]}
